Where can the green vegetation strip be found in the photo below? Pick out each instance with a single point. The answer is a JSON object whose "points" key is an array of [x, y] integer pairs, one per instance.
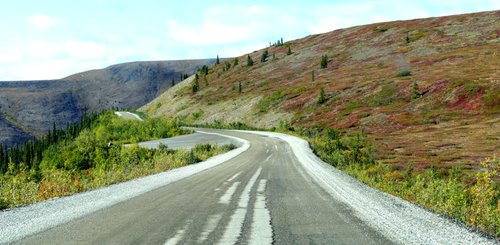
{"points": [[89, 155]]}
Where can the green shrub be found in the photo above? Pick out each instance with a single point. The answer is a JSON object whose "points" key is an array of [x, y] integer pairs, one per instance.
{"points": [[404, 73]]}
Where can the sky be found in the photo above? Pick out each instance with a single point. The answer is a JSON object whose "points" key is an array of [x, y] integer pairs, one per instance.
{"points": [[51, 39]]}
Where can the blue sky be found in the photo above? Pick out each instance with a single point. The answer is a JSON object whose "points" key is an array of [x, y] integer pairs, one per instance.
{"points": [[52, 39]]}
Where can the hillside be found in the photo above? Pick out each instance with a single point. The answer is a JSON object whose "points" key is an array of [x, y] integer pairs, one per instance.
{"points": [[29, 108], [425, 91]]}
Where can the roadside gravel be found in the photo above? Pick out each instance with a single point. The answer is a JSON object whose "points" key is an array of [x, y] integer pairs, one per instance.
{"points": [[20, 222], [394, 217]]}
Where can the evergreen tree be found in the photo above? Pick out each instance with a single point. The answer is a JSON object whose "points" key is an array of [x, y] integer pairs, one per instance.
{"points": [[249, 60], [312, 76], [206, 82], [3, 166], [416, 92], [172, 83], [264, 56], [274, 56], [235, 62], [196, 84], [239, 88], [289, 51], [322, 96], [324, 61], [217, 62], [281, 42]]}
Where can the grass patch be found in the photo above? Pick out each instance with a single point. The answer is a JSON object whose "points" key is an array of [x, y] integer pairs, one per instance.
{"points": [[271, 100], [384, 97]]}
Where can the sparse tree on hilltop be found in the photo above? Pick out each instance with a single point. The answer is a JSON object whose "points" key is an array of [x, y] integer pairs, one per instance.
{"points": [[249, 61], [289, 51], [217, 61], [196, 84], [264, 56], [235, 62]]}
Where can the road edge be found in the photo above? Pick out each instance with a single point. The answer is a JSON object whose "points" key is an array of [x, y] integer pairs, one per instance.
{"points": [[20, 222], [395, 218]]}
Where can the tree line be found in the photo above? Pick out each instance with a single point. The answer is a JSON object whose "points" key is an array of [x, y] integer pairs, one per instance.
{"points": [[30, 152]]}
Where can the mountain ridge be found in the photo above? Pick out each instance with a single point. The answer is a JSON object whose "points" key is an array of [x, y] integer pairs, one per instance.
{"points": [[36, 105]]}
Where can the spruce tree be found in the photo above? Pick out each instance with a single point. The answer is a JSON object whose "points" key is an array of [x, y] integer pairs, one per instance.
{"points": [[217, 62], [264, 56], [196, 84], [324, 61], [289, 51], [172, 83], [416, 92], [322, 96], [3, 166], [249, 60]]}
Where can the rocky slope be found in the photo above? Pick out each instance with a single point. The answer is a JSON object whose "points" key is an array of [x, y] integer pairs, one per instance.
{"points": [[426, 91], [29, 108]]}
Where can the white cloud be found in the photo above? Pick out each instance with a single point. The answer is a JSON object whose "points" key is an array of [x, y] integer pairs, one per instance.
{"points": [[222, 25], [42, 49], [43, 22], [84, 49]]}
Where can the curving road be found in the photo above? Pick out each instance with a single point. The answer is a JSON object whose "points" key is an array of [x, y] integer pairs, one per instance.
{"points": [[274, 191]]}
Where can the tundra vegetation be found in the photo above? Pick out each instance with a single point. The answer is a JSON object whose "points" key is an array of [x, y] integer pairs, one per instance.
{"points": [[90, 154]]}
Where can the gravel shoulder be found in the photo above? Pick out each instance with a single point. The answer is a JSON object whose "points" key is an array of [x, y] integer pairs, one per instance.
{"points": [[20, 222]]}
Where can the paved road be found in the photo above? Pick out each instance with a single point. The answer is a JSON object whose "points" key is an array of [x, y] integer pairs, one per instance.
{"points": [[261, 196], [128, 115], [190, 140], [276, 191]]}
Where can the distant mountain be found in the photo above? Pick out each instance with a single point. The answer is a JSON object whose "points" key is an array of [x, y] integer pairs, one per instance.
{"points": [[28, 108], [425, 91]]}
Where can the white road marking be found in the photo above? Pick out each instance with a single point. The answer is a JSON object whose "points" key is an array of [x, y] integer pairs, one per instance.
{"points": [[234, 177], [178, 236], [233, 229], [226, 198], [261, 232], [268, 157], [212, 222]]}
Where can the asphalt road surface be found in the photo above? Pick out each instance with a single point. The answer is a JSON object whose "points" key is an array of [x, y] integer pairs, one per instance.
{"points": [[189, 141], [268, 194]]}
